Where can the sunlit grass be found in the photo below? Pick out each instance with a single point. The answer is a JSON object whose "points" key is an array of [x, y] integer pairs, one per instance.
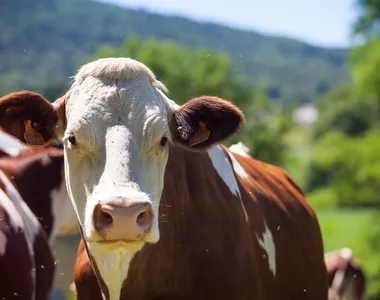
{"points": [[350, 228]]}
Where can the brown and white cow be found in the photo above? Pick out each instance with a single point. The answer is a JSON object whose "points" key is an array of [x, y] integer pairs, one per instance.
{"points": [[34, 208], [166, 211], [26, 261], [38, 174], [346, 277]]}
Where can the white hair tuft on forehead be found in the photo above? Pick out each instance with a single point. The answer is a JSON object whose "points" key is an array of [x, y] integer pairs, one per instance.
{"points": [[118, 68]]}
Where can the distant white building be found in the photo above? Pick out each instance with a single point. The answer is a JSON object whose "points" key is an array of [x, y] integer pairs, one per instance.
{"points": [[306, 114]]}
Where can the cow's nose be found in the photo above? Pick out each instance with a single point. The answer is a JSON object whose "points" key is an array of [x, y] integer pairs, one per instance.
{"points": [[123, 220]]}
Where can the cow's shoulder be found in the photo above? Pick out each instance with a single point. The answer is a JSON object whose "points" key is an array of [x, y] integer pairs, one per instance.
{"points": [[261, 175]]}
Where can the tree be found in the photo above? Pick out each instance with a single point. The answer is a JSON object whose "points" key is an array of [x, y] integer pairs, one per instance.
{"points": [[367, 23], [343, 110], [346, 169]]}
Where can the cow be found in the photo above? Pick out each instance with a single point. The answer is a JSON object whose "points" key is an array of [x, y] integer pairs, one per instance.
{"points": [[345, 275], [166, 211], [38, 174], [34, 208]]}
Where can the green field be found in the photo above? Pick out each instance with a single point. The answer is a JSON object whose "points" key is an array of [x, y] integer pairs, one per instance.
{"points": [[347, 228]]}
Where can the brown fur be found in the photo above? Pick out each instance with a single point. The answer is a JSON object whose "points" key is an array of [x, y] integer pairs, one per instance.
{"points": [[16, 263], [208, 251], [220, 117], [25, 105], [35, 172]]}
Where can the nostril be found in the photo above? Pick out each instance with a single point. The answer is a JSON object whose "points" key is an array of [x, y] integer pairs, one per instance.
{"points": [[140, 218], [144, 220], [102, 219], [105, 218]]}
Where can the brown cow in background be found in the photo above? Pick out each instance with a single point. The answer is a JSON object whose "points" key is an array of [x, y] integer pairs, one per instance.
{"points": [[346, 277]]}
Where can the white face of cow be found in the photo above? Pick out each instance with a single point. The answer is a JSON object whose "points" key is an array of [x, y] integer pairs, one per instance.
{"points": [[116, 126], [116, 151]]}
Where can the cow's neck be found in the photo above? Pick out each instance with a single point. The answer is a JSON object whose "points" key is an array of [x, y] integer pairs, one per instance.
{"points": [[194, 196], [189, 184]]}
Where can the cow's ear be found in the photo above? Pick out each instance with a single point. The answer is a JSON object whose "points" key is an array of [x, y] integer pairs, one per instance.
{"points": [[32, 119], [204, 121]]}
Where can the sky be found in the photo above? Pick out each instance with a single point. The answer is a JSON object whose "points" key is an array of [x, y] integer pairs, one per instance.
{"points": [[320, 22]]}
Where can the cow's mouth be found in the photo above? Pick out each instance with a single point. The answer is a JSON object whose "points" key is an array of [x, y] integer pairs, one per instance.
{"points": [[112, 242], [118, 243]]}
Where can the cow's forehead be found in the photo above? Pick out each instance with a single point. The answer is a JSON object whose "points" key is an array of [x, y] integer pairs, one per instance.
{"points": [[118, 69], [114, 88], [134, 104]]}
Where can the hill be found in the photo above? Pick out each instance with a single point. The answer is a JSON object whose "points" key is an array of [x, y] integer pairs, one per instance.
{"points": [[43, 41]]}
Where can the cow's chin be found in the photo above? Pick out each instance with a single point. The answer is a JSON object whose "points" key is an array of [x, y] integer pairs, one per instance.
{"points": [[112, 261]]}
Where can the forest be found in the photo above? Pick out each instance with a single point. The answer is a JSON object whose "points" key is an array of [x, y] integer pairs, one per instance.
{"points": [[43, 42]]}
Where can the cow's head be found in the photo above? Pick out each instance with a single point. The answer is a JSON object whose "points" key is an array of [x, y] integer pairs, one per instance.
{"points": [[117, 126]]}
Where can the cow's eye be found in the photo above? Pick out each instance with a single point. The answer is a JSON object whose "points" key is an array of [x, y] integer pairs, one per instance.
{"points": [[72, 140], [164, 141]]}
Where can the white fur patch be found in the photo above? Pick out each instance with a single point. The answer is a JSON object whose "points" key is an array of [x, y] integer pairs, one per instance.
{"points": [[117, 68], [15, 219], [225, 171], [338, 279], [346, 253], [10, 145], [113, 262], [3, 243], [240, 149], [238, 168], [268, 245], [65, 218]]}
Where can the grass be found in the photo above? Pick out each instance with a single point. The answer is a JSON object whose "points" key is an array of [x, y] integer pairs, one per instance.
{"points": [[348, 228]]}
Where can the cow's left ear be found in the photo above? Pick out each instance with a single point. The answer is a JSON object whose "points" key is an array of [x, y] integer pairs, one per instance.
{"points": [[31, 118], [204, 121]]}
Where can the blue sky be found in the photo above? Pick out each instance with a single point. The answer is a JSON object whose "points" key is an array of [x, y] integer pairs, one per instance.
{"points": [[320, 22]]}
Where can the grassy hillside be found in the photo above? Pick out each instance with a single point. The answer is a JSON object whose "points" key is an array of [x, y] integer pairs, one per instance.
{"points": [[46, 40]]}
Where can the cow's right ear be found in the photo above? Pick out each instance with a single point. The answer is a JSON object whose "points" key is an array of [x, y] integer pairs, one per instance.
{"points": [[32, 119]]}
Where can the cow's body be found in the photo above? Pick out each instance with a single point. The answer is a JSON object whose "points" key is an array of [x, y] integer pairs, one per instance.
{"points": [[166, 212], [346, 277], [210, 250], [34, 208], [38, 174], [26, 261]]}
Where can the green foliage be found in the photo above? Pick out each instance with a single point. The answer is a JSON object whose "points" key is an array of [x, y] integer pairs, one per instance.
{"points": [[189, 73], [344, 166], [347, 169], [344, 110], [43, 39], [367, 23], [365, 62]]}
